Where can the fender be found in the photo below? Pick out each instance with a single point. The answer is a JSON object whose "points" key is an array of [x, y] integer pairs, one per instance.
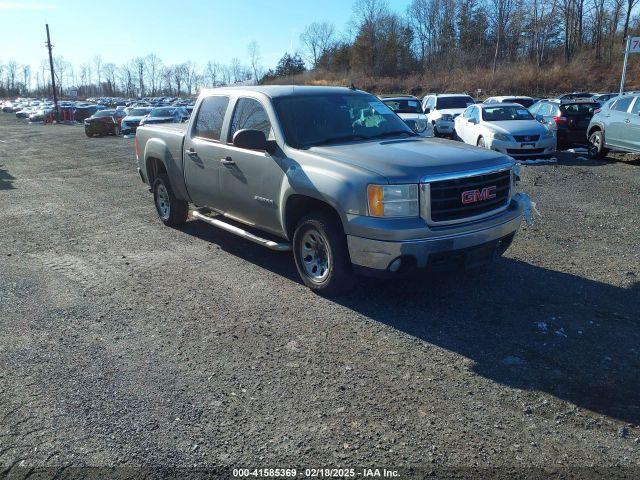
{"points": [[158, 148]]}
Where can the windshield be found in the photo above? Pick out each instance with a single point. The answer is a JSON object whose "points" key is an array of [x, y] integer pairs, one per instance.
{"points": [[330, 118], [498, 114], [138, 112], [403, 106], [579, 108], [162, 112], [444, 103], [105, 113], [525, 102]]}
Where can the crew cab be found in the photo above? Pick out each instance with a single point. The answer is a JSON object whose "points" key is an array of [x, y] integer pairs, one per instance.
{"points": [[334, 175], [442, 109]]}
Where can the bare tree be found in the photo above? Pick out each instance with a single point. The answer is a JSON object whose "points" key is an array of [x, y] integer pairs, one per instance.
{"points": [[153, 67], [255, 59], [630, 6], [97, 62], [139, 65], [211, 72], [316, 39]]}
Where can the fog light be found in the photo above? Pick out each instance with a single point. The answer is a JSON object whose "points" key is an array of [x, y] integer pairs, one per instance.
{"points": [[395, 265]]}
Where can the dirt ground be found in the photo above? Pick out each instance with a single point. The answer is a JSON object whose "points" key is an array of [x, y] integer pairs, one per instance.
{"points": [[124, 343]]}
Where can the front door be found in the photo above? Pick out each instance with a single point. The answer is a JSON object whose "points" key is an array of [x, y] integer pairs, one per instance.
{"points": [[251, 180], [203, 152], [633, 127]]}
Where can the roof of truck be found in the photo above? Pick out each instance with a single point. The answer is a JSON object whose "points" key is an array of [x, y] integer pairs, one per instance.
{"points": [[274, 91]]}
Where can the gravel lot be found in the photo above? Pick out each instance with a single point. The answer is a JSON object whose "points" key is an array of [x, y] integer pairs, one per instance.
{"points": [[126, 343]]}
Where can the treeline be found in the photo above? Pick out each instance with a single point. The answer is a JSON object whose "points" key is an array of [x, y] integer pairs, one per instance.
{"points": [[506, 44], [442, 35]]}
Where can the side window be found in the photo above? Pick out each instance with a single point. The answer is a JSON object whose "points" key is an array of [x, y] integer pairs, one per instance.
{"points": [[210, 117], [622, 105], [475, 114], [636, 107], [249, 114]]}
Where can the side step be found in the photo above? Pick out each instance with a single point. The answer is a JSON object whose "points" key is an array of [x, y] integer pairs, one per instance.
{"points": [[270, 244]]}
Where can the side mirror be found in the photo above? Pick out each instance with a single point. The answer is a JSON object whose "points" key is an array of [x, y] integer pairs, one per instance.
{"points": [[427, 110], [250, 139]]}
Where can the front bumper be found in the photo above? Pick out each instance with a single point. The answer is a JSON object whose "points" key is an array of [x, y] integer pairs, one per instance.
{"points": [[443, 127], [377, 256], [544, 146]]}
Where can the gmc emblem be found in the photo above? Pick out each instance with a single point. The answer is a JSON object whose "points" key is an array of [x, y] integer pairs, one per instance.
{"points": [[474, 196]]}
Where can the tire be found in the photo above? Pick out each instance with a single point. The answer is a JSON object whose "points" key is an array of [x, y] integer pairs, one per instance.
{"points": [[88, 134], [454, 136], [321, 254], [596, 145], [481, 143], [172, 211]]}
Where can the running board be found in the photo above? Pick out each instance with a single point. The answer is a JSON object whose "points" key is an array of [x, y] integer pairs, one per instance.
{"points": [[270, 244]]}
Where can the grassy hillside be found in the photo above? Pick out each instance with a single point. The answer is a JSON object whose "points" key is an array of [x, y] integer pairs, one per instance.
{"points": [[523, 79]]}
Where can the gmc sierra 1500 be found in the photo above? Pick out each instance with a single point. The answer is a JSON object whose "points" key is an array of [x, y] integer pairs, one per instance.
{"points": [[334, 175]]}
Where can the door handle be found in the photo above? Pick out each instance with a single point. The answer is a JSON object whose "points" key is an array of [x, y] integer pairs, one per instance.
{"points": [[627, 121], [191, 152], [227, 161]]}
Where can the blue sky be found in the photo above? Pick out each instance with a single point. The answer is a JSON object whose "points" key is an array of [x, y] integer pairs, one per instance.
{"points": [[175, 30]]}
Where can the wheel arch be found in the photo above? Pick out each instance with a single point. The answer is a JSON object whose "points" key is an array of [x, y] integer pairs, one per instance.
{"points": [[298, 205]]}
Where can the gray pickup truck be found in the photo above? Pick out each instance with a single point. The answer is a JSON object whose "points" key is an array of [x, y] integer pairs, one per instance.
{"points": [[334, 175]]}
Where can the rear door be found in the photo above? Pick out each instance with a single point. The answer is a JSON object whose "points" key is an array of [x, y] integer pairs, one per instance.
{"points": [[203, 152], [250, 179], [633, 127]]}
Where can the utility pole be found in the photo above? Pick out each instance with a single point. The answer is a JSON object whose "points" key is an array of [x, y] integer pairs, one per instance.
{"points": [[53, 77]]}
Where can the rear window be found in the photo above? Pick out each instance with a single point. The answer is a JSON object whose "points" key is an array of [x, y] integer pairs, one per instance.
{"points": [[210, 117], [443, 103], [525, 102], [579, 108], [404, 106]]}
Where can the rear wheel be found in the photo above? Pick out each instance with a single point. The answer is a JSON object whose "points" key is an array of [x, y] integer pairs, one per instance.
{"points": [[172, 211], [596, 145], [321, 254]]}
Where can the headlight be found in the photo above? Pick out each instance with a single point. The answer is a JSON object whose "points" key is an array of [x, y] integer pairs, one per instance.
{"points": [[548, 134], [501, 136], [421, 125], [393, 200]]}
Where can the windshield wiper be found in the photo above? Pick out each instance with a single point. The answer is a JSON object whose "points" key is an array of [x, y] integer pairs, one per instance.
{"points": [[342, 138], [394, 133]]}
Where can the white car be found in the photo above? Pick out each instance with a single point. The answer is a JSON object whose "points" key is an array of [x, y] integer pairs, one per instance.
{"points": [[526, 102], [410, 111], [507, 128], [442, 109]]}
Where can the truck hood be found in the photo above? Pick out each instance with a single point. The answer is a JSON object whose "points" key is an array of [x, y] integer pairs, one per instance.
{"points": [[409, 160]]}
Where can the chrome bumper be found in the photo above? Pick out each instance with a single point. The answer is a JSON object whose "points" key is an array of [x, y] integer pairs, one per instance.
{"points": [[379, 254]]}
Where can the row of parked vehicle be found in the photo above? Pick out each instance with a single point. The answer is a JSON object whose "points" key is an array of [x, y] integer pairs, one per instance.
{"points": [[105, 115], [525, 127]]}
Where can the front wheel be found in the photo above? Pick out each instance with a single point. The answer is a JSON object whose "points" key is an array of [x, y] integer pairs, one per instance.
{"points": [[596, 145], [321, 254], [172, 211]]}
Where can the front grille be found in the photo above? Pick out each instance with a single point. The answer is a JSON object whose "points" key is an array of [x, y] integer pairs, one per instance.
{"points": [[446, 196], [524, 151], [526, 138]]}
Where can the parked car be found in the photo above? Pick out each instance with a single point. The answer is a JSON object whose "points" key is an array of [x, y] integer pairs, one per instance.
{"points": [[40, 114], [103, 122], [508, 128], [526, 102], [334, 175], [162, 115], [569, 119], [134, 116], [603, 97], [409, 109], [576, 97], [616, 125], [441, 110]]}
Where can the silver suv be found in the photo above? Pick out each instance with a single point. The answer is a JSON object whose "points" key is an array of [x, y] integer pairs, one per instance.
{"points": [[615, 126]]}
